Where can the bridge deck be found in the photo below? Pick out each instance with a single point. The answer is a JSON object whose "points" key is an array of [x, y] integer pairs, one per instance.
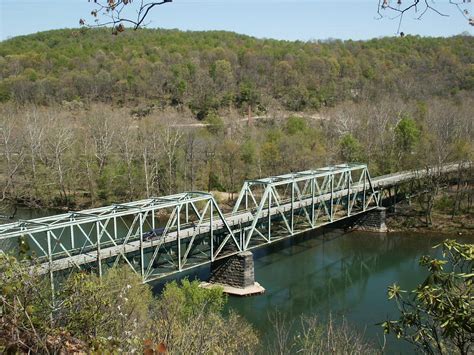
{"points": [[232, 220]]}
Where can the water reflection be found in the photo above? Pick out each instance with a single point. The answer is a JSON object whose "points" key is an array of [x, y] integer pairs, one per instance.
{"points": [[329, 271]]}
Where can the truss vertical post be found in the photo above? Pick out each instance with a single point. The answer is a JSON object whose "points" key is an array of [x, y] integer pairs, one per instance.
{"points": [[178, 236], [363, 193], [51, 273], [246, 196], [115, 226], [211, 231], [99, 263], [349, 174], [142, 257], [187, 212], [269, 216], [71, 232], [313, 182], [241, 236], [292, 205], [331, 206]]}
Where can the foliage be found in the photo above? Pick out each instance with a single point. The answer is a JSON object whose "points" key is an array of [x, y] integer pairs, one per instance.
{"points": [[313, 336], [110, 313], [84, 314], [295, 124], [407, 134], [350, 148], [205, 71], [189, 320], [87, 121], [24, 309], [114, 314], [438, 316], [215, 123]]}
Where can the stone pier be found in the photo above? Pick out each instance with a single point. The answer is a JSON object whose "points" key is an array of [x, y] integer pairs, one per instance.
{"points": [[372, 221], [236, 275]]}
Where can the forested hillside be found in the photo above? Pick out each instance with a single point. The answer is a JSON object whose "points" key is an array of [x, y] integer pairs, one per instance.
{"points": [[88, 118], [207, 71]]}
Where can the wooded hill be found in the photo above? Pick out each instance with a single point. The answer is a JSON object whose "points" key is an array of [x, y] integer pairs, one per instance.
{"points": [[89, 118], [208, 71]]}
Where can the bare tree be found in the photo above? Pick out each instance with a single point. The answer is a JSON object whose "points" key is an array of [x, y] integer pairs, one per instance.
{"points": [[128, 153], [170, 140], [102, 134], [117, 13], [398, 8], [149, 142], [13, 154], [35, 135], [190, 158], [59, 141]]}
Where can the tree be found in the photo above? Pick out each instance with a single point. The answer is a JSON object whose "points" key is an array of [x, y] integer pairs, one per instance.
{"points": [[350, 148], [170, 142], [25, 303], [87, 313], [398, 8], [113, 314], [232, 164], [58, 144], [314, 336], [12, 150], [117, 13], [407, 136], [438, 316], [188, 320]]}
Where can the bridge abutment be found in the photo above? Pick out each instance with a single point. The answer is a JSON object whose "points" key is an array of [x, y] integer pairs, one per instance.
{"points": [[372, 221], [236, 274]]}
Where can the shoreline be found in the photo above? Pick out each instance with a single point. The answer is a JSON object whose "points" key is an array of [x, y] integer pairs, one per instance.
{"points": [[443, 224]]}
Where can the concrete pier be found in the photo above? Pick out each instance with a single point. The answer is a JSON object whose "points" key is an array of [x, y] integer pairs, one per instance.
{"points": [[372, 221], [236, 275]]}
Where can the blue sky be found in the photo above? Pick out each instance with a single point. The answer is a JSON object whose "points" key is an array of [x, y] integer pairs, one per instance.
{"points": [[281, 19]]}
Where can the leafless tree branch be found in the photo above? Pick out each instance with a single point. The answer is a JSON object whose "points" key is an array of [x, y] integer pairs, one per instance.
{"points": [[117, 13], [399, 8]]}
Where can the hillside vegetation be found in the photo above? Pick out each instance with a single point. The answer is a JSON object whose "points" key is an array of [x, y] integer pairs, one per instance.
{"points": [[88, 118], [207, 71]]}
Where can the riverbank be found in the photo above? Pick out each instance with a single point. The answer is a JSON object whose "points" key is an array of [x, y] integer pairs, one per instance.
{"points": [[412, 219]]}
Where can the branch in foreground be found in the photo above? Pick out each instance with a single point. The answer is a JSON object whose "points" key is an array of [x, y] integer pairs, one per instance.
{"points": [[394, 9], [118, 13]]}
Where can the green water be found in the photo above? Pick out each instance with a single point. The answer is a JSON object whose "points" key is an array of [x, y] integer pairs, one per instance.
{"points": [[343, 274]]}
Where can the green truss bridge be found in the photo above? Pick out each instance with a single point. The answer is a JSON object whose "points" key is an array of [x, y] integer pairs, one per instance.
{"points": [[160, 236]]}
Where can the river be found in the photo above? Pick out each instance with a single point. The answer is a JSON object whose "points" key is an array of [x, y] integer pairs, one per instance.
{"points": [[342, 274]]}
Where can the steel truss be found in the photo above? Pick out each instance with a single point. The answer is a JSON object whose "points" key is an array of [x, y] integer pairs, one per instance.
{"points": [[155, 237], [160, 236], [294, 203]]}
